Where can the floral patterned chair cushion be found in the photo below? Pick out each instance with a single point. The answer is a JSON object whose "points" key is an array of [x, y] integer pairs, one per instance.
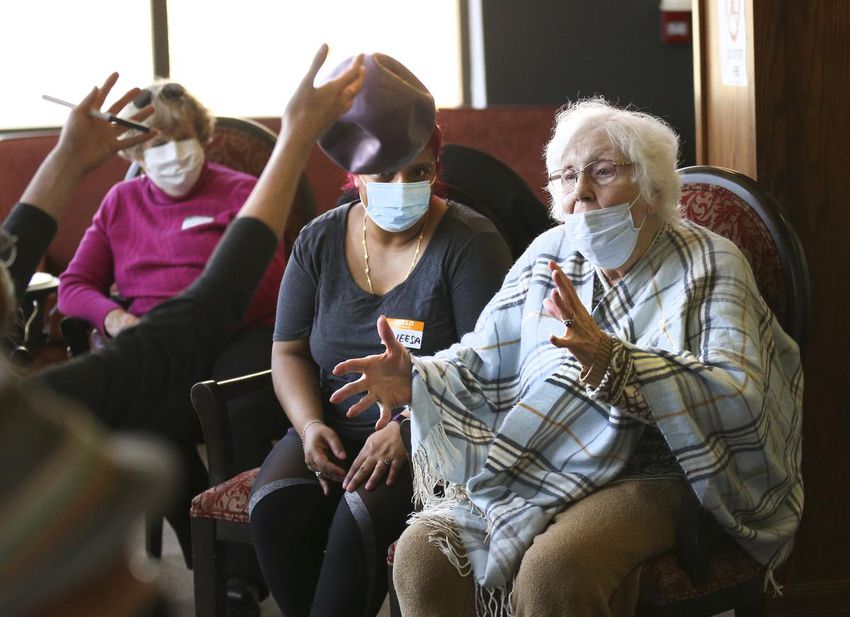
{"points": [[227, 501], [728, 215]]}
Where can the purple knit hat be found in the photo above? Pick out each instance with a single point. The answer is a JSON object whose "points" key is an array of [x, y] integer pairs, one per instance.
{"points": [[389, 123]]}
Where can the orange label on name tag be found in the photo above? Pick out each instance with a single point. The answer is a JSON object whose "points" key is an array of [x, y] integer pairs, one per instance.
{"points": [[408, 332]]}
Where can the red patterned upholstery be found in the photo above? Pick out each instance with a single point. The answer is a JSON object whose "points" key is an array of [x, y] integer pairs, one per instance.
{"points": [[238, 149], [663, 581], [246, 145], [227, 501], [725, 213]]}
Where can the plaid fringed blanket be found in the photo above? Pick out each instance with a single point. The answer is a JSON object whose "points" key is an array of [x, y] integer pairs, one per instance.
{"points": [[502, 419]]}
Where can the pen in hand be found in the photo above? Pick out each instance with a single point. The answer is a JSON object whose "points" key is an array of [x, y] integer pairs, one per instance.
{"points": [[99, 114]]}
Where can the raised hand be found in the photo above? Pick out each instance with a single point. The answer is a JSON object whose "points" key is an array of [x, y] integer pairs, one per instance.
{"points": [[92, 140], [85, 143], [309, 113], [312, 110], [385, 378], [582, 335]]}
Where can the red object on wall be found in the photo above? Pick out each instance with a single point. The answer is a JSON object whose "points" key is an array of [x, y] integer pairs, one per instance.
{"points": [[675, 26]]}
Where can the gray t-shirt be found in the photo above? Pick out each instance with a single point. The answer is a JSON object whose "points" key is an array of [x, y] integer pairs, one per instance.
{"points": [[457, 274]]}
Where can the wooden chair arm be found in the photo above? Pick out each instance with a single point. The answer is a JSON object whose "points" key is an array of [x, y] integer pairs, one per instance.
{"points": [[211, 399]]}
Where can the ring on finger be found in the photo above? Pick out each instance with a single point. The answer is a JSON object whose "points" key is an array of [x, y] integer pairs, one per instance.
{"points": [[568, 323], [318, 473], [387, 461]]}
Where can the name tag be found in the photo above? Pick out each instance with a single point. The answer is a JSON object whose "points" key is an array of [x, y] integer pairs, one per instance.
{"points": [[408, 332], [194, 221]]}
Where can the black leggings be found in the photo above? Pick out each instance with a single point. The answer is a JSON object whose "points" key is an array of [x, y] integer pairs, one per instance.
{"points": [[324, 556]]}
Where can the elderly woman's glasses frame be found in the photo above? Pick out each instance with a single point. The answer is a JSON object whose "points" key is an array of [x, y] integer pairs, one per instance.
{"points": [[169, 92], [600, 172]]}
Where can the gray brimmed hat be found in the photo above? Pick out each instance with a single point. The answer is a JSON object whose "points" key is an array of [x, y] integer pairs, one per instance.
{"points": [[389, 123]]}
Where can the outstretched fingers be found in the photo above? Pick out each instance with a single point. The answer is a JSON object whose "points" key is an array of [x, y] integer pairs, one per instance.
{"points": [[352, 77], [351, 389], [362, 405], [125, 100], [347, 84], [318, 60], [105, 89], [388, 339], [384, 418], [89, 101]]}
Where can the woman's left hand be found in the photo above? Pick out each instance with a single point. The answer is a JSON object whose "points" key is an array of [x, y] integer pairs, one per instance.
{"points": [[582, 337], [383, 454]]}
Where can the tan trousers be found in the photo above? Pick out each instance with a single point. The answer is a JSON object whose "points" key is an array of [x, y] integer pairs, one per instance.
{"points": [[585, 564]]}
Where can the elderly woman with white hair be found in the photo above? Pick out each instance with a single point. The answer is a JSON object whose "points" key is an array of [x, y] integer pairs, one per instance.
{"points": [[627, 358]]}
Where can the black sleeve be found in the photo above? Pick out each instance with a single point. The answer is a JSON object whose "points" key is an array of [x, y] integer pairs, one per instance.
{"points": [[172, 346], [34, 229]]}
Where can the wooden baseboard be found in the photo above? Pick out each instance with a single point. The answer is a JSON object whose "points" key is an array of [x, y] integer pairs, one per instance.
{"points": [[820, 599]]}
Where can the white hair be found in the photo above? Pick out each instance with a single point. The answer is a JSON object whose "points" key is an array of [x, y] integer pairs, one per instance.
{"points": [[648, 142]]}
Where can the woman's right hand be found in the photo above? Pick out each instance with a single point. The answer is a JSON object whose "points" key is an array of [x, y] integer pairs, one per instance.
{"points": [[312, 110], [320, 442], [386, 378]]}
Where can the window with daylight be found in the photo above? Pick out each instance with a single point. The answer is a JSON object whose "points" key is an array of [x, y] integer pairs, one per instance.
{"points": [[240, 59]]}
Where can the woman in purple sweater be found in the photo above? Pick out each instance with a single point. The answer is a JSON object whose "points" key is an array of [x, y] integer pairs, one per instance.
{"points": [[152, 235], [151, 238]]}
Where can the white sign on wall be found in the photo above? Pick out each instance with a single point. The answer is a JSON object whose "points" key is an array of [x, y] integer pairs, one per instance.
{"points": [[733, 42]]}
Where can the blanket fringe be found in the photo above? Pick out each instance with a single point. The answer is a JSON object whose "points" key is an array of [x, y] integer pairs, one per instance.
{"points": [[770, 583], [429, 462], [495, 602], [442, 533]]}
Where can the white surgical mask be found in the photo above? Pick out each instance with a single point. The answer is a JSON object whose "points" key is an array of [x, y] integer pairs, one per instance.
{"points": [[605, 237], [175, 166], [396, 206]]}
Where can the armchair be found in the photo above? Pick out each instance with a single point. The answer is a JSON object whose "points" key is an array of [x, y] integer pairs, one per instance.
{"points": [[708, 573]]}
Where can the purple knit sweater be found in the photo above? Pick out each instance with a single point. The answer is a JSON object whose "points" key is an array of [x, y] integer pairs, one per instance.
{"points": [[152, 246]]}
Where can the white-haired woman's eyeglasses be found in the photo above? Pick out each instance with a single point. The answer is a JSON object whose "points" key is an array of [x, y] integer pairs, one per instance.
{"points": [[599, 172]]}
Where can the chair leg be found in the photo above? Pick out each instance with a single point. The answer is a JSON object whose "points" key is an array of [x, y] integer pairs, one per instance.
{"points": [[209, 574], [153, 535]]}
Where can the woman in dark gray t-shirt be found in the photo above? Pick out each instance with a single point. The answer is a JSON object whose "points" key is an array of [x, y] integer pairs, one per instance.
{"points": [[335, 493]]}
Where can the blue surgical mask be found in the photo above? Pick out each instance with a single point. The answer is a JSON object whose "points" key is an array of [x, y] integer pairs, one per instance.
{"points": [[396, 206], [605, 237]]}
